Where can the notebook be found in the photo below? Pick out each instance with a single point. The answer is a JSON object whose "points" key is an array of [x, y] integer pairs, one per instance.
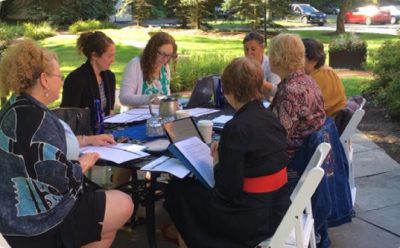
{"points": [[188, 146], [195, 155]]}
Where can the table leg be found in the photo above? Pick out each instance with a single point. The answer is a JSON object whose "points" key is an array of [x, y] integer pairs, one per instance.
{"points": [[150, 213], [135, 196]]}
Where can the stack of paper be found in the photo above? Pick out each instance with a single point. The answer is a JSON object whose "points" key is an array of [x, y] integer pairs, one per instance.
{"points": [[220, 121], [136, 114]]}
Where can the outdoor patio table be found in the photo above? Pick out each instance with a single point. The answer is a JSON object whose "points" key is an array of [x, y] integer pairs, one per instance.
{"points": [[136, 133]]}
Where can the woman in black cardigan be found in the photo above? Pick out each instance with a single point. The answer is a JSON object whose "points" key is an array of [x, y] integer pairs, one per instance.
{"points": [[250, 196], [92, 80]]}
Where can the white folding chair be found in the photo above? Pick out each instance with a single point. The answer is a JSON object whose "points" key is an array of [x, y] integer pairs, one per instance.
{"points": [[3, 242], [297, 226], [345, 139]]}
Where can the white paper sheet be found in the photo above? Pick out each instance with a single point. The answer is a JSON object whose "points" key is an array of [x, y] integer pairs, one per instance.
{"points": [[222, 119], [199, 156], [120, 118], [112, 154], [167, 164], [128, 147], [143, 110], [196, 112]]}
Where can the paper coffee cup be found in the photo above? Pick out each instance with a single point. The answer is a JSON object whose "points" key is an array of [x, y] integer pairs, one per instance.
{"points": [[205, 127], [182, 113]]}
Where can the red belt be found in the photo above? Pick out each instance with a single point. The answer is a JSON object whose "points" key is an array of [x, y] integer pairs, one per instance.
{"points": [[265, 184]]}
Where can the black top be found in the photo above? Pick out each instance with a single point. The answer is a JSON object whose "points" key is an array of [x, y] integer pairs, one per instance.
{"points": [[252, 144], [81, 89]]}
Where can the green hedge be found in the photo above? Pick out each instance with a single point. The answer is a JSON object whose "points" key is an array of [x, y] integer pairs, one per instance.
{"points": [[386, 85], [192, 65], [38, 31], [35, 31], [89, 25]]}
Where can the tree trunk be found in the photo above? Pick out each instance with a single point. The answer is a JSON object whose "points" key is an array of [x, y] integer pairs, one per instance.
{"points": [[340, 29], [197, 17]]}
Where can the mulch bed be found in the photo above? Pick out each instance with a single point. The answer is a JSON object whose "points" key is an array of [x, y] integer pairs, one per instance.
{"points": [[382, 130]]}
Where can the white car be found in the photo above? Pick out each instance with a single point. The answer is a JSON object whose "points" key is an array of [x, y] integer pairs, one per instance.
{"points": [[394, 11]]}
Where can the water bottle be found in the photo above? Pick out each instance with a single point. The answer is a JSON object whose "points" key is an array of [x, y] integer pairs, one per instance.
{"points": [[99, 124], [219, 96]]}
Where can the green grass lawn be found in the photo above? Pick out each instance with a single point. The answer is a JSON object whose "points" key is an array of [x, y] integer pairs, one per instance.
{"points": [[200, 53], [65, 47], [354, 85]]}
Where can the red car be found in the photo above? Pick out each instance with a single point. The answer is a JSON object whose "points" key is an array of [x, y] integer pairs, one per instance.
{"points": [[367, 15]]}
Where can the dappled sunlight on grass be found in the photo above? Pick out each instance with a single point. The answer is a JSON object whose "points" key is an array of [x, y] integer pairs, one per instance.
{"points": [[200, 53], [70, 59]]}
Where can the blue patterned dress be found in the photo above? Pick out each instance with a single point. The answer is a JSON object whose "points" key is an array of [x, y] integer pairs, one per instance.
{"points": [[38, 185]]}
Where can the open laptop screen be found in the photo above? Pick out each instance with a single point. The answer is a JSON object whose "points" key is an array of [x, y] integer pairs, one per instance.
{"points": [[204, 93], [181, 129]]}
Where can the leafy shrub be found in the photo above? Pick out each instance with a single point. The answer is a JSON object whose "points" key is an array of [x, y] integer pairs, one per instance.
{"points": [[38, 31], [192, 66], [34, 31], [349, 42], [386, 86], [9, 32], [89, 25]]}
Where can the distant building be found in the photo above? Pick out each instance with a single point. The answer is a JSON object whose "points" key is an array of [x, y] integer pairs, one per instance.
{"points": [[122, 15]]}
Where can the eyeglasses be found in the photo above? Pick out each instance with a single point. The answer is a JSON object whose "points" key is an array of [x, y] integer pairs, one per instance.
{"points": [[167, 56], [61, 76]]}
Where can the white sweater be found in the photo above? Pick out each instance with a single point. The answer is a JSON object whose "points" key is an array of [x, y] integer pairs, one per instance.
{"points": [[132, 84]]}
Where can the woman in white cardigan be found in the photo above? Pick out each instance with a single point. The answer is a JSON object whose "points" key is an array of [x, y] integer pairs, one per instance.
{"points": [[145, 78], [148, 76]]}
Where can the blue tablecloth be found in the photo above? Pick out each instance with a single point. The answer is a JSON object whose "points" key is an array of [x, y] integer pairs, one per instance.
{"points": [[135, 132]]}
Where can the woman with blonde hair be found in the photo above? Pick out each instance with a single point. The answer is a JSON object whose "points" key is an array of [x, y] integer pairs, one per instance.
{"points": [[298, 102], [42, 200]]}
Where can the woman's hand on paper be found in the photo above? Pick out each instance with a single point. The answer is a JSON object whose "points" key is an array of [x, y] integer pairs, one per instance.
{"points": [[214, 152], [87, 160], [101, 140]]}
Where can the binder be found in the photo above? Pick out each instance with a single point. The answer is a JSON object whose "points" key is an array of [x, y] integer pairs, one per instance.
{"points": [[195, 156]]}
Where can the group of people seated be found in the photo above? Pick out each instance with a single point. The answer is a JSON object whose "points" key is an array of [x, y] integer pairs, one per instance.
{"points": [[44, 203]]}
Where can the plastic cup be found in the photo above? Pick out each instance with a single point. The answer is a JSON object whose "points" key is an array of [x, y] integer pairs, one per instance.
{"points": [[182, 113], [205, 127]]}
